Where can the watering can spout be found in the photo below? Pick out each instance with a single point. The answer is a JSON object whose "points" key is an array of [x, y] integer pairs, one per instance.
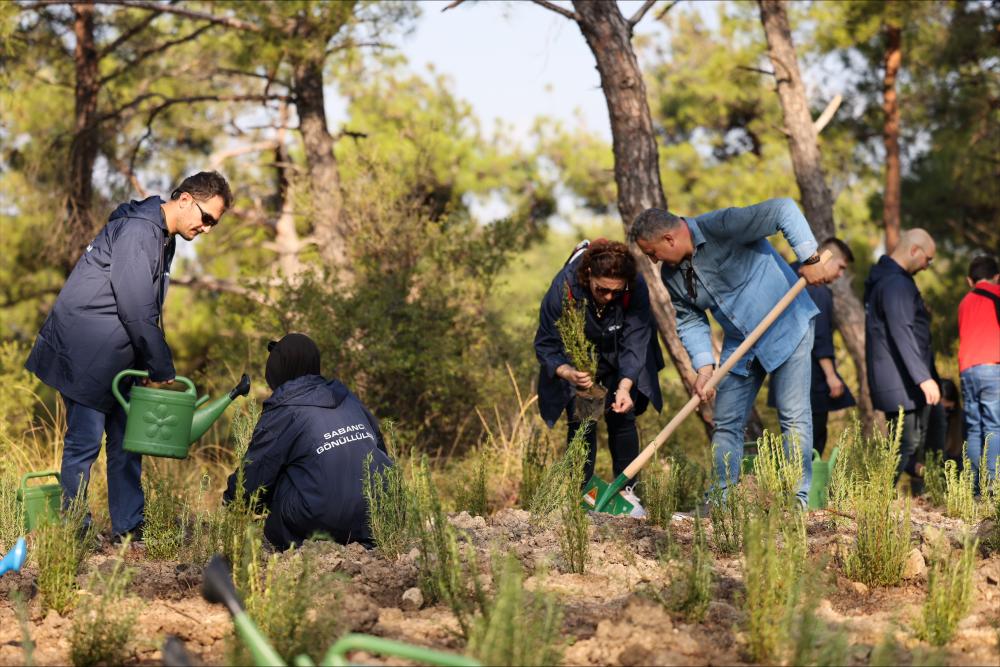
{"points": [[206, 416]]}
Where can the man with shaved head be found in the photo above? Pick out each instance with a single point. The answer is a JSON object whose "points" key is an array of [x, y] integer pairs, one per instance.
{"points": [[898, 342]]}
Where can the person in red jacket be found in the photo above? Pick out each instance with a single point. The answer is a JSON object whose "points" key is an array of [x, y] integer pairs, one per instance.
{"points": [[979, 364]]}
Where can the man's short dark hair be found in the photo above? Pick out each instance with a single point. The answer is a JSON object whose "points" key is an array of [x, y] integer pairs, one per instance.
{"points": [[983, 267], [651, 222], [203, 186], [842, 248]]}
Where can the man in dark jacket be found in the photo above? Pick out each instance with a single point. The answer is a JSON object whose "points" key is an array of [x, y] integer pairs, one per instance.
{"points": [[898, 341], [107, 318], [828, 393], [308, 451]]}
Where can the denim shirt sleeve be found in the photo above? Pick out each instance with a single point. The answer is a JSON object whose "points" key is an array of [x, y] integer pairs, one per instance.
{"points": [[753, 223], [548, 344], [636, 331], [692, 327]]}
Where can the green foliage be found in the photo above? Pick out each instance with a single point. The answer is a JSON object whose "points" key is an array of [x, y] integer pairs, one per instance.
{"points": [[295, 604], [473, 493], [935, 479], [535, 460], [60, 546], [11, 513], [104, 620], [165, 517], [777, 470], [24, 622], [517, 627], [676, 485], [387, 497], [960, 489], [443, 576], [949, 594], [574, 529], [813, 642], [557, 482], [579, 350], [882, 540], [991, 507], [692, 592], [729, 511]]}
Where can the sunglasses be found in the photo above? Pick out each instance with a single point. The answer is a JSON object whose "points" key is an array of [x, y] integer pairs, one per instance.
{"points": [[206, 219], [607, 291]]}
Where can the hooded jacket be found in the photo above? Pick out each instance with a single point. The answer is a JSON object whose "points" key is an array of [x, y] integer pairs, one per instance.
{"points": [[897, 338], [107, 318], [308, 453], [626, 342]]}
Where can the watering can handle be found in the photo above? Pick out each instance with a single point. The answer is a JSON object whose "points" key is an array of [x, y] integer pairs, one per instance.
{"points": [[144, 374], [33, 475]]}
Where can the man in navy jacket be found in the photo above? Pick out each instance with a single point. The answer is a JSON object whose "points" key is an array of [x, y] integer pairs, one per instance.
{"points": [[107, 318], [898, 341], [309, 450]]}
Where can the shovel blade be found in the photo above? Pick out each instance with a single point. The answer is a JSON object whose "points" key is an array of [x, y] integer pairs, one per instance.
{"points": [[595, 493]]}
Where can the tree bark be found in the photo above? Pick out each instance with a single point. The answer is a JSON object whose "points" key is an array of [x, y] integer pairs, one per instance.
{"points": [[890, 135], [324, 173], [803, 144], [637, 169], [79, 224]]}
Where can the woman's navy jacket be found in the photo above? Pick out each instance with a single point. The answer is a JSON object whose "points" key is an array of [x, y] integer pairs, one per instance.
{"points": [[638, 351], [308, 452]]}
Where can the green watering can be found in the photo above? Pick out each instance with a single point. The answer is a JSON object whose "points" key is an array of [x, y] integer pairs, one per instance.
{"points": [[819, 490], [39, 503], [162, 422]]}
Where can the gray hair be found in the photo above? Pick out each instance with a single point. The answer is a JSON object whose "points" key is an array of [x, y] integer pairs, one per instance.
{"points": [[652, 222]]}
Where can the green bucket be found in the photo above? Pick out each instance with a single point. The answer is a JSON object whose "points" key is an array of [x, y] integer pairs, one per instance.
{"points": [[39, 503]]}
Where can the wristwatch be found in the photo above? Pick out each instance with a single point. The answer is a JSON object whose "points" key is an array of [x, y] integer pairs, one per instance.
{"points": [[812, 260]]}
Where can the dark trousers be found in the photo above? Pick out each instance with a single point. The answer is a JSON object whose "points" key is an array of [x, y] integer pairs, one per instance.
{"points": [[911, 445], [84, 428], [819, 431], [623, 439]]}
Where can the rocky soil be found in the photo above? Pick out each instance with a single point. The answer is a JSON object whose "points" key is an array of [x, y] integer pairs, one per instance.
{"points": [[610, 617]]}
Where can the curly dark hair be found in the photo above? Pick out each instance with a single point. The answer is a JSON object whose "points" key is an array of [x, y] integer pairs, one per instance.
{"points": [[607, 259]]}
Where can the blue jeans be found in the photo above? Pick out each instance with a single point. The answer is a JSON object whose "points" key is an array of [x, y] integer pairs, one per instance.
{"points": [[981, 398], [790, 383], [84, 428]]}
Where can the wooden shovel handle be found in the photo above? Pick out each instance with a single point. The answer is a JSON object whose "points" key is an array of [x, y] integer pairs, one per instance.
{"points": [[638, 462]]}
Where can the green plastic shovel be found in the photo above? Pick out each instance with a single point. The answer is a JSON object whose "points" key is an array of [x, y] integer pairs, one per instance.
{"points": [[600, 496]]}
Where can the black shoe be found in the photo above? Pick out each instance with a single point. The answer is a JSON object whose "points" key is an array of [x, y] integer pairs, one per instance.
{"points": [[136, 534]]}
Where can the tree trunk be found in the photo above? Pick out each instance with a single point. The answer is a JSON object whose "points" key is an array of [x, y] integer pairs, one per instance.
{"points": [[817, 201], [79, 225], [637, 170], [890, 135], [324, 174], [286, 236]]}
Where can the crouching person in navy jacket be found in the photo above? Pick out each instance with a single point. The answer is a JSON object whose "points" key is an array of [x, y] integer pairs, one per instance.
{"points": [[308, 451]]}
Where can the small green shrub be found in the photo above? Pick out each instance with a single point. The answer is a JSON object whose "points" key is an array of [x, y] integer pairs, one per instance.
{"points": [[579, 350], [991, 509], [813, 641], [949, 594], [11, 517], [692, 592], [517, 627], [777, 469], [104, 619], [960, 490], [472, 495], [442, 574], [678, 485], [882, 538], [536, 456], [295, 604], [574, 530], [60, 546], [567, 470], [387, 497], [165, 518], [770, 589], [24, 622], [728, 510], [934, 478]]}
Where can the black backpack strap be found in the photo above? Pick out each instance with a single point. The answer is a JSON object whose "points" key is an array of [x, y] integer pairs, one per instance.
{"points": [[992, 297]]}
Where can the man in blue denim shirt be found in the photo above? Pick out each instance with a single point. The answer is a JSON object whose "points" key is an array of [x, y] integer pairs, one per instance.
{"points": [[722, 262]]}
